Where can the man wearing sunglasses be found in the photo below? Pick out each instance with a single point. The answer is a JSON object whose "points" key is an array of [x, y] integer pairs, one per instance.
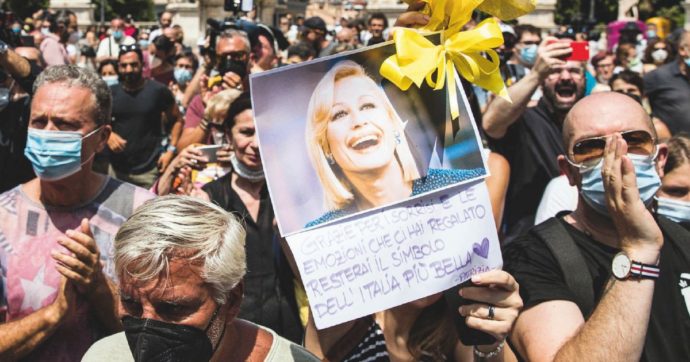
{"points": [[604, 283], [530, 137]]}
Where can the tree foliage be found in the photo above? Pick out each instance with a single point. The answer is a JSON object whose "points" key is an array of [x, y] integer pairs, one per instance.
{"points": [[141, 10]]}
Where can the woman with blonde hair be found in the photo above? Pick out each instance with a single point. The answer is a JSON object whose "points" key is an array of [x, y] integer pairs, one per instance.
{"points": [[357, 145]]}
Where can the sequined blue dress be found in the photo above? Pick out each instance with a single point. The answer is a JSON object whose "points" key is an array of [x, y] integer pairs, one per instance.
{"points": [[435, 179]]}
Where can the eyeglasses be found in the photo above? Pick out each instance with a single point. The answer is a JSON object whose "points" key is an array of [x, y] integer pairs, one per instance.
{"points": [[587, 153]]}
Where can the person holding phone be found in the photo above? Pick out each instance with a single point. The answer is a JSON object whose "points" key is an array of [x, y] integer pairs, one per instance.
{"points": [[203, 162], [530, 137]]}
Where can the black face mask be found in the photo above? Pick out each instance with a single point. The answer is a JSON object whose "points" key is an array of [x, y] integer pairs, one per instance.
{"points": [[155, 341]]}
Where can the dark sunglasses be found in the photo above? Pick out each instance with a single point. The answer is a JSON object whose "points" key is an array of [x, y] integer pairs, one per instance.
{"points": [[587, 153]]}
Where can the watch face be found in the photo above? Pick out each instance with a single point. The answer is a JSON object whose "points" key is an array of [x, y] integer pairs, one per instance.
{"points": [[621, 266]]}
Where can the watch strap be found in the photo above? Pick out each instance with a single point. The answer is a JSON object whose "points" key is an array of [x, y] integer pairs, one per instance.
{"points": [[644, 271]]}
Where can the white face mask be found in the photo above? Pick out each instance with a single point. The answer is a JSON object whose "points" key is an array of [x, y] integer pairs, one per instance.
{"points": [[659, 55], [674, 209]]}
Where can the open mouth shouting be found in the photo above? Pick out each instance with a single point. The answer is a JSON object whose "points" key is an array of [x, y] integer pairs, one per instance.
{"points": [[566, 91]]}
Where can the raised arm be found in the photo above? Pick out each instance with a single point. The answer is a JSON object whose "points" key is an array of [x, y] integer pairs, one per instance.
{"points": [[501, 114]]}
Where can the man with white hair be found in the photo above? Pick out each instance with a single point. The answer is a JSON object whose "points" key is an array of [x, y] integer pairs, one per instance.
{"points": [[56, 230], [180, 262]]}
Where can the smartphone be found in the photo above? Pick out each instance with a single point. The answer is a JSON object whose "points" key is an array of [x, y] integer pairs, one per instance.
{"points": [[467, 335], [210, 152], [580, 50]]}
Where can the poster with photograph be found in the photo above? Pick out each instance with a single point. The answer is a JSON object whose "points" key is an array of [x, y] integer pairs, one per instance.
{"points": [[397, 254], [338, 140]]}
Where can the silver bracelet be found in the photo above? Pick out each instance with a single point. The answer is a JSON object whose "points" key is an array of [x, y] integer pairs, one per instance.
{"points": [[491, 354]]}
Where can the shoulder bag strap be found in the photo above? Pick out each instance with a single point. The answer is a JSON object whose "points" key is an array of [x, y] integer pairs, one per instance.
{"points": [[570, 260]]}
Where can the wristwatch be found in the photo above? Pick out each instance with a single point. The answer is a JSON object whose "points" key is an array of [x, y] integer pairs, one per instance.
{"points": [[623, 268], [3, 47]]}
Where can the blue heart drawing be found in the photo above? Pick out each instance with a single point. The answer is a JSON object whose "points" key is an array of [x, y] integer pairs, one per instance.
{"points": [[483, 249]]}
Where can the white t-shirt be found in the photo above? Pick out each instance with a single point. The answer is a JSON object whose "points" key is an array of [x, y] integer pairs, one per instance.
{"points": [[558, 196]]}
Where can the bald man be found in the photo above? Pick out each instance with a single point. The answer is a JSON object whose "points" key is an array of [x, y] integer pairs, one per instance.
{"points": [[609, 281], [668, 89]]}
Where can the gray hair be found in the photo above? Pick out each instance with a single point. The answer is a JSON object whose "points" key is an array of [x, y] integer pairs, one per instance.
{"points": [[231, 33], [170, 227], [74, 76]]}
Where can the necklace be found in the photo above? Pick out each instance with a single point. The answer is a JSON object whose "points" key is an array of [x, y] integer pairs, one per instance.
{"points": [[244, 172]]}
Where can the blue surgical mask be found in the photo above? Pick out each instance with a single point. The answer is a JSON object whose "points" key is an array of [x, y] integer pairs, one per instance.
{"points": [[674, 209], [118, 34], [528, 54], [16, 30], [110, 79], [648, 182], [143, 43], [182, 75], [45, 31], [651, 34], [55, 155], [687, 61]]}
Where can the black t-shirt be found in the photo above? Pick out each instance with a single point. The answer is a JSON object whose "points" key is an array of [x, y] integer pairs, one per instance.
{"points": [[14, 167], [531, 145], [668, 91], [269, 298], [137, 119], [540, 277]]}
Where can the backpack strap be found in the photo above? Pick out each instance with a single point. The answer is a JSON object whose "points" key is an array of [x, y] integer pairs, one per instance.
{"points": [[570, 260]]}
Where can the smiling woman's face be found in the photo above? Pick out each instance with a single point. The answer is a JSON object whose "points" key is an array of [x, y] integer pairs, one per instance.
{"points": [[360, 131]]}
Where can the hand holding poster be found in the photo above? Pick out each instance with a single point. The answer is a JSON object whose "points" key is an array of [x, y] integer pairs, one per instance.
{"points": [[393, 256], [379, 177]]}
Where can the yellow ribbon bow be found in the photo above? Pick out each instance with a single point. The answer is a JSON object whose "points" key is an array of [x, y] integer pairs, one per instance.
{"points": [[417, 58]]}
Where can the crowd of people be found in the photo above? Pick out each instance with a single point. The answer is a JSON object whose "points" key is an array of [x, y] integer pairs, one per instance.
{"points": [[136, 222]]}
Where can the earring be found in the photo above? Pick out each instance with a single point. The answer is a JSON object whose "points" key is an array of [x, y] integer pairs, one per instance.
{"points": [[330, 159], [398, 138]]}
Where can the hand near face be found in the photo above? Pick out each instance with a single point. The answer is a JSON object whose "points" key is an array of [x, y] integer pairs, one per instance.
{"points": [[496, 288], [637, 229], [550, 55], [232, 80], [116, 143], [82, 264]]}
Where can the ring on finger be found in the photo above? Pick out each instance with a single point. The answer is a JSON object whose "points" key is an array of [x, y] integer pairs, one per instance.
{"points": [[492, 312]]}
